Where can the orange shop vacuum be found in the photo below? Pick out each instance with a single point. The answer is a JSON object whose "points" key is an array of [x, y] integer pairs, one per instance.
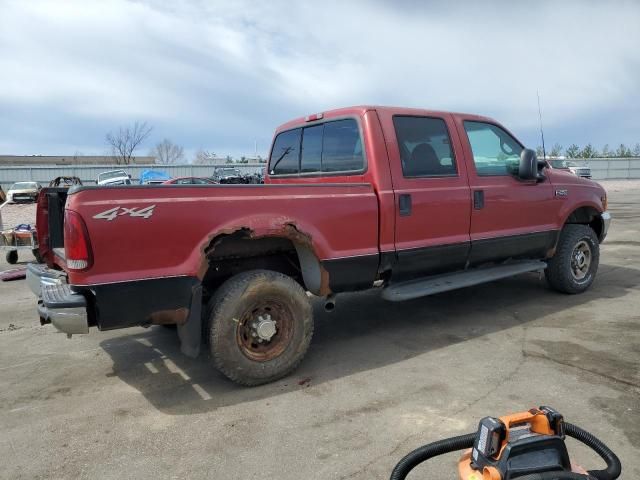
{"points": [[528, 446]]}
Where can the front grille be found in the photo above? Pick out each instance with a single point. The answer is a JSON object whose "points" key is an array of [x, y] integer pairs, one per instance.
{"points": [[24, 197]]}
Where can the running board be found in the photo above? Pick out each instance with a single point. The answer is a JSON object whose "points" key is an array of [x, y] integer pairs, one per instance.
{"points": [[422, 287]]}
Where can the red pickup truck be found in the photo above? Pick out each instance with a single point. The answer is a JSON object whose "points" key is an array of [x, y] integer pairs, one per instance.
{"points": [[412, 202]]}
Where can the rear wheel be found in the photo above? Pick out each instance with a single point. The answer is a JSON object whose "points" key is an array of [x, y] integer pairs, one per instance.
{"points": [[260, 326], [573, 268]]}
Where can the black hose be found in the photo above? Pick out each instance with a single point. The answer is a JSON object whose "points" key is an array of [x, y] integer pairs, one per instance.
{"points": [[614, 467], [431, 450], [421, 454], [556, 476]]}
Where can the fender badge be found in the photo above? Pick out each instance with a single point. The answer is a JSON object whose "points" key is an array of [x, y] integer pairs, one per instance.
{"points": [[562, 192], [108, 215]]}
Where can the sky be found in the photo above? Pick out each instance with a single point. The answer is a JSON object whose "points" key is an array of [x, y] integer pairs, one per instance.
{"points": [[221, 76]]}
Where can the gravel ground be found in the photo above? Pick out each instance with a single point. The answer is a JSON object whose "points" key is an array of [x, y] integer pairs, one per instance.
{"points": [[620, 185], [13, 214]]}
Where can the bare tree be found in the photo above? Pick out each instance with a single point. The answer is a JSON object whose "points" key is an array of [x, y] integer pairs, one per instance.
{"points": [[204, 157], [125, 141], [167, 152], [76, 157]]}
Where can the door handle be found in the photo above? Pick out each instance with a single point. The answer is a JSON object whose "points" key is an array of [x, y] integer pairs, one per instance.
{"points": [[404, 203], [478, 199]]}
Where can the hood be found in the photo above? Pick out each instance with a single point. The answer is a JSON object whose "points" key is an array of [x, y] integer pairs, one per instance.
{"points": [[563, 177], [23, 190], [113, 180]]}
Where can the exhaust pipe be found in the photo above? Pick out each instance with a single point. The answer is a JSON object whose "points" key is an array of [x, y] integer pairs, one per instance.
{"points": [[330, 303]]}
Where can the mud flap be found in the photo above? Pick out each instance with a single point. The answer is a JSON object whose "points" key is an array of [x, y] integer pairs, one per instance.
{"points": [[190, 332]]}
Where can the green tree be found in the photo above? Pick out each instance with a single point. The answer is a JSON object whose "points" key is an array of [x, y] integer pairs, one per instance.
{"points": [[606, 151], [556, 150], [573, 151], [623, 151], [539, 151], [588, 151], [636, 150]]}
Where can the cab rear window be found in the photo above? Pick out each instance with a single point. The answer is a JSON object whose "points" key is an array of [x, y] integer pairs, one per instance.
{"points": [[330, 147], [285, 154]]}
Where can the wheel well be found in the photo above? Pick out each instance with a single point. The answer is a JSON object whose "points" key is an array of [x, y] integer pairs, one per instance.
{"points": [[239, 252], [587, 216]]}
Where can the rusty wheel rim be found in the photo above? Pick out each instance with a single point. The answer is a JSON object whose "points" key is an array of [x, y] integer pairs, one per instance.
{"points": [[258, 321]]}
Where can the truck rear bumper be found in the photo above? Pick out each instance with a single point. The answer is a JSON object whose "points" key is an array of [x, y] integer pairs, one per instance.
{"points": [[57, 303]]}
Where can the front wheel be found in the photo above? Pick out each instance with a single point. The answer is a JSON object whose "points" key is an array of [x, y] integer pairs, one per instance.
{"points": [[260, 326], [573, 267]]}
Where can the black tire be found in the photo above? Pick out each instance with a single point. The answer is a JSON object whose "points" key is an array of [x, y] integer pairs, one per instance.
{"points": [[271, 301], [12, 257], [568, 271]]}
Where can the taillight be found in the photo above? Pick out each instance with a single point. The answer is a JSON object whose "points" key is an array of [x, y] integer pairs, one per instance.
{"points": [[76, 242]]}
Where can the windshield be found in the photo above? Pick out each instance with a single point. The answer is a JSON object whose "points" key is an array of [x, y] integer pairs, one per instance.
{"points": [[229, 171], [109, 175], [23, 185]]}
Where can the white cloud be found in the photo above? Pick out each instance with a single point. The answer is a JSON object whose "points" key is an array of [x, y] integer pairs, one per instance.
{"points": [[221, 74]]}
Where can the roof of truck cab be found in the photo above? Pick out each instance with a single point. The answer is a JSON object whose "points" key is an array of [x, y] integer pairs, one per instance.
{"points": [[359, 110]]}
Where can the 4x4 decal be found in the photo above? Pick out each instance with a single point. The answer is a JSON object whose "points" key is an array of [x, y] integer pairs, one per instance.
{"points": [[144, 212]]}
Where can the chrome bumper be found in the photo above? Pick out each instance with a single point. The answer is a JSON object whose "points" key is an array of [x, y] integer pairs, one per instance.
{"points": [[57, 303], [606, 221]]}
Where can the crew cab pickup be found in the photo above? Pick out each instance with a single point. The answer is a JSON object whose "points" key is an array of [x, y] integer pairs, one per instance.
{"points": [[412, 202]]}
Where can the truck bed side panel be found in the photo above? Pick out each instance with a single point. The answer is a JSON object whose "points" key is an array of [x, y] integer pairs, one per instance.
{"points": [[169, 237]]}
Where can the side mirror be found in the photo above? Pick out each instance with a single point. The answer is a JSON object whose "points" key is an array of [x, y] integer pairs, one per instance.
{"points": [[528, 169]]}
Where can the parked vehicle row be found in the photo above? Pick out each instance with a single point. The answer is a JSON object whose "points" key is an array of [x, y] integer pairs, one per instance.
{"points": [[24, 192]]}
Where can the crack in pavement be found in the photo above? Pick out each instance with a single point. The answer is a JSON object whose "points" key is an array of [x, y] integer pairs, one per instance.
{"points": [[541, 356], [505, 379]]}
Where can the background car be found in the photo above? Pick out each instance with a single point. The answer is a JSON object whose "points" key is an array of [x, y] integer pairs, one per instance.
{"points": [[189, 181], [22, 192], [154, 177], [229, 175], [114, 177], [66, 182], [581, 171]]}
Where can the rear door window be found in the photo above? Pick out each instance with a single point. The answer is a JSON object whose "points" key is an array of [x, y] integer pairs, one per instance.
{"points": [[425, 147]]}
